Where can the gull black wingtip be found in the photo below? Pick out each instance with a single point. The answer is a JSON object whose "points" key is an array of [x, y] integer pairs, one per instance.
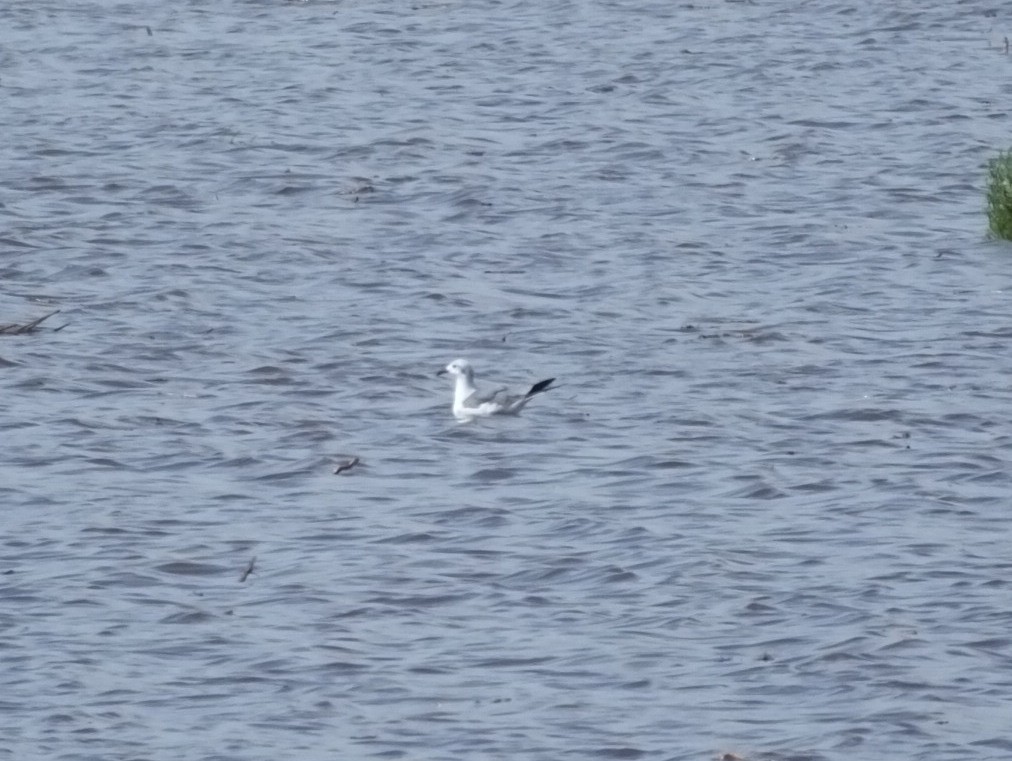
{"points": [[540, 386]]}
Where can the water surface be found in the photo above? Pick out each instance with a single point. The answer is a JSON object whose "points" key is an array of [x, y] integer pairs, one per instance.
{"points": [[765, 512]]}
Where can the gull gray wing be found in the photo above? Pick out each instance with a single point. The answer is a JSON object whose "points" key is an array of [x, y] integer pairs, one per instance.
{"points": [[499, 396], [508, 402]]}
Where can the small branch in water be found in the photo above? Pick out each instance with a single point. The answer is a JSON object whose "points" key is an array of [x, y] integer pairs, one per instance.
{"points": [[14, 329], [348, 465], [249, 569]]}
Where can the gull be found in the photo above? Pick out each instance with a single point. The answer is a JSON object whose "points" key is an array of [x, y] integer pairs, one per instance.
{"points": [[469, 404]]}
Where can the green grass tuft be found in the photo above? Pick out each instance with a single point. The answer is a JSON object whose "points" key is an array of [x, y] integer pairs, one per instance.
{"points": [[999, 195]]}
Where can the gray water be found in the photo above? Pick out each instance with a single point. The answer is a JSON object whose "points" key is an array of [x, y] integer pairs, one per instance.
{"points": [[764, 514]]}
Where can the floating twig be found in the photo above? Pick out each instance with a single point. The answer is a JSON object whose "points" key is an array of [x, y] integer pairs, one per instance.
{"points": [[249, 569], [16, 329], [347, 465]]}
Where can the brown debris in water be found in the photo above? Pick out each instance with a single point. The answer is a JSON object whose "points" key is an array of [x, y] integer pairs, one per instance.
{"points": [[249, 569], [348, 465], [17, 329]]}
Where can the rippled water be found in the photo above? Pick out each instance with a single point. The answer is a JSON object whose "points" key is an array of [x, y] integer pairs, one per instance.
{"points": [[764, 514]]}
